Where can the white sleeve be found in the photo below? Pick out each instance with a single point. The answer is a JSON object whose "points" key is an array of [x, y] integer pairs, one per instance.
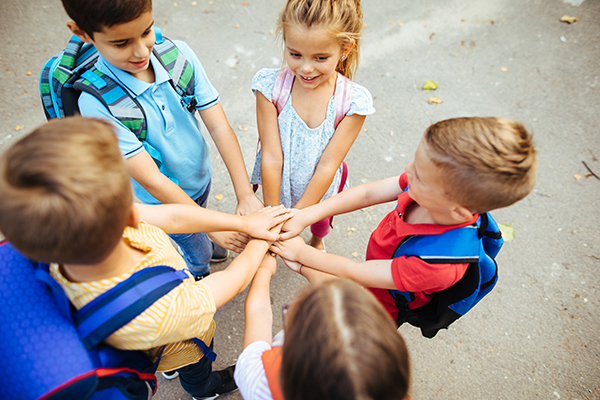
{"points": [[250, 375]]}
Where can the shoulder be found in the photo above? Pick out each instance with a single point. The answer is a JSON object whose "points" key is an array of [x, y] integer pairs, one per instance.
{"points": [[264, 80], [250, 375], [362, 101]]}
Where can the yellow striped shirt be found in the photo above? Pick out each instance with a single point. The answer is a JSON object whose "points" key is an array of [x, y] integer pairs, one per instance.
{"points": [[185, 312]]}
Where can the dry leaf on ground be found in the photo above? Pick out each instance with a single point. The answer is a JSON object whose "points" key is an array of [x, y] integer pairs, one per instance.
{"points": [[430, 85], [508, 232], [577, 176], [435, 100], [219, 196], [568, 20]]}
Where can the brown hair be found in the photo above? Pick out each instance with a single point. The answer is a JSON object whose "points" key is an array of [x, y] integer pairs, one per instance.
{"points": [[343, 19], [95, 15], [341, 344], [66, 195], [488, 162]]}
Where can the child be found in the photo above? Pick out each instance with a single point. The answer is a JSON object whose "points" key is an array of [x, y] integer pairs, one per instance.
{"points": [[299, 107], [67, 199], [463, 167], [339, 344], [122, 32]]}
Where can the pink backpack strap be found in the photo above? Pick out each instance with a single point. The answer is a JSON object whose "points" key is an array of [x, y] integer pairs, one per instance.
{"points": [[282, 88], [342, 98]]}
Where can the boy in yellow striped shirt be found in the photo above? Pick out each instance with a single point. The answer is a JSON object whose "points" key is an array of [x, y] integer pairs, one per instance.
{"points": [[67, 200]]}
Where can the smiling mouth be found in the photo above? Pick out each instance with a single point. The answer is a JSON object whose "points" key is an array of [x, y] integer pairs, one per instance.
{"points": [[308, 78], [140, 63]]}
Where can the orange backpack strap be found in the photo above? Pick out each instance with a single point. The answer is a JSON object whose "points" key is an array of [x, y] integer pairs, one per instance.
{"points": [[272, 361]]}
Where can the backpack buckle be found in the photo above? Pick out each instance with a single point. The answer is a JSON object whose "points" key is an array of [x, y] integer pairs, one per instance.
{"points": [[189, 103]]}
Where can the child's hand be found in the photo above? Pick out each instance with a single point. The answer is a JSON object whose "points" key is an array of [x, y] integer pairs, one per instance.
{"points": [[293, 265], [294, 226], [268, 265], [234, 241], [259, 224], [289, 249]]}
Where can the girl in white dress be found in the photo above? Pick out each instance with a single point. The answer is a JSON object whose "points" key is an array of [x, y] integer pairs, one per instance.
{"points": [[310, 112]]}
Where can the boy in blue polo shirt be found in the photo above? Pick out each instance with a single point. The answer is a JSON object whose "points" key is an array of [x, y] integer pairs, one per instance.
{"points": [[123, 34]]}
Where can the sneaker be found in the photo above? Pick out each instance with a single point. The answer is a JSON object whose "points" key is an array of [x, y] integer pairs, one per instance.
{"points": [[219, 254], [170, 374], [226, 384]]}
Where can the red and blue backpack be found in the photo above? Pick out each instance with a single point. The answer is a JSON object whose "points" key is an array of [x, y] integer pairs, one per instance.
{"points": [[477, 245], [51, 351]]}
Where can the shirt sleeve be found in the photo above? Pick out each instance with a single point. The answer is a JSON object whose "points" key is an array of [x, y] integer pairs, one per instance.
{"points": [[90, 106], [250, 375], [403, 181], [205, 93], [411, 274], [263, 82], [362, 101]]}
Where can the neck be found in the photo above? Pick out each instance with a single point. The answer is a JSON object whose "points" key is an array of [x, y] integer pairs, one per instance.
{"points": [[415, 214], [120, 260]]}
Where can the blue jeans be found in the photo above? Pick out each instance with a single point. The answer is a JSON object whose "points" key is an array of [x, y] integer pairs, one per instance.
{"points": [[198, 379], [196, 247]]}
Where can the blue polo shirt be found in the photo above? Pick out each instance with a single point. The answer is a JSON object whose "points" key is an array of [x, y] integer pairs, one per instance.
{"points": [[171, 129]]}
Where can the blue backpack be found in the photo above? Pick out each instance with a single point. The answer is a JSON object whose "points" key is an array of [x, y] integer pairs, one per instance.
{"points": [[52, 351], [478, 245]]}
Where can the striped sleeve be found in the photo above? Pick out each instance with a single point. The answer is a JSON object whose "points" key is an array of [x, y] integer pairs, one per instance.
{"points": [[250, 375]]}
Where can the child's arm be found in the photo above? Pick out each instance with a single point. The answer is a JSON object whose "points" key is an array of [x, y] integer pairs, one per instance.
{"points": [[353, 199], [257, 309], [230, 282], [271, 153], [183, 218], [313, 276], [226, 141], [374, 273], [331, 159]]}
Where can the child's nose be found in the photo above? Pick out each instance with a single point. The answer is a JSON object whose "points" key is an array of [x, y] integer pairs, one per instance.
{"points": [[306, 67], [141, 49]]}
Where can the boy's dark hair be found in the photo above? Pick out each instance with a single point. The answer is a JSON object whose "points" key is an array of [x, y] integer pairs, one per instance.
{"points": [[95, 15], [66, 195], [488, 162], [340, 344]]}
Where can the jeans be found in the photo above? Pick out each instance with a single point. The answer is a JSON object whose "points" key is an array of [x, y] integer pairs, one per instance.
{"points": [[196, 247], [198, 379]]}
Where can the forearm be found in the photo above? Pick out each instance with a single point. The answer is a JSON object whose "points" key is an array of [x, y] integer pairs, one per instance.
{"points": [[257, 310], [314, 276], [317, 187], [271, 180]]}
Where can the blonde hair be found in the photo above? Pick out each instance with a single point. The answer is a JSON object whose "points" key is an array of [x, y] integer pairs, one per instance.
{"points": [[66, 195], [341, 344], [343, 19], [488, 162]]}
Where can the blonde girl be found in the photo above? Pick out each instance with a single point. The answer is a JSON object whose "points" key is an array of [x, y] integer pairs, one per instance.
{"points": [[339, 344], [310, 112]]}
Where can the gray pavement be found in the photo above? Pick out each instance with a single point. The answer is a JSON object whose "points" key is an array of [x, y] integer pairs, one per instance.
{"points": [[534, 337]]}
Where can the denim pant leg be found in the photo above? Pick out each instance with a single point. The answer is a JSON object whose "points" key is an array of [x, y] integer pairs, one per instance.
{"points": [[198, 379], [196, 247]]}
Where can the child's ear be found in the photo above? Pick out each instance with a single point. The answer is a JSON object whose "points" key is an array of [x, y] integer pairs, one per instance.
{"points": [[77, 31], [134, 217], [462, 214]]}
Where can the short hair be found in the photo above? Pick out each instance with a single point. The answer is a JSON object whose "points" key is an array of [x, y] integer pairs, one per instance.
{"points": [[94, 16], [341, 344], [66, 195], [343, 19], [488, 162]]}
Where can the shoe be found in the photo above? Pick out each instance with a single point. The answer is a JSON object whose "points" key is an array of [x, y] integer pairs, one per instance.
{"points": [[226, 384], [200, 277], [219, 254], [170, 374]]}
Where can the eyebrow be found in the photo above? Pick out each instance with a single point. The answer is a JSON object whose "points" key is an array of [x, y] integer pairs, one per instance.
{"points": [[125, 39]]}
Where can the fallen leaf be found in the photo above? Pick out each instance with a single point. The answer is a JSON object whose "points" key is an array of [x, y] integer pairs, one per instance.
{"points": [[18, 127], [194, 3], [462, 20], [435, 100], [205, 12], [576, 176], [503, 19], [355, 254], [503, 69], [508, 232], [244, 128], [462, 42], [400, 23], [219, 196], [364, 24], [28, 72], [211, 3], [588, 175], [431, 36], [271, 31], [568, 20], [174, 4], [237, 26], [426, 25], [430, 85], [244, 4], [366, 129]]}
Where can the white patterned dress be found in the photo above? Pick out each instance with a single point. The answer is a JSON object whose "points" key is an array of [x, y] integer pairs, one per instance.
{"points": [[302, 146]]}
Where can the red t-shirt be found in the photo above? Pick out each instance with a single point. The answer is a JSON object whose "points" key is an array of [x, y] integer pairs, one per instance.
{"points": [[411, 274]]}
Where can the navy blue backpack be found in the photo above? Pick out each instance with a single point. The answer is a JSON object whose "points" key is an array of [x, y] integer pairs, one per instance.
{"points": [[478, 245], [51, 351]]}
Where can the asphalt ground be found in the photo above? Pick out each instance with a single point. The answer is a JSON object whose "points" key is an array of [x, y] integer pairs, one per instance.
{"points": [[536, 335]]}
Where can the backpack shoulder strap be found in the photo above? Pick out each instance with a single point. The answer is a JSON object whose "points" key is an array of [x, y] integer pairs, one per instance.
{"points": [[181, 71], [272, 362], [282, 88], [118, 306], [342, 98]]}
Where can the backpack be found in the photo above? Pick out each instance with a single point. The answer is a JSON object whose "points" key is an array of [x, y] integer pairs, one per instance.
{"points": [[52, 351], [476, 244], [73, 71]]}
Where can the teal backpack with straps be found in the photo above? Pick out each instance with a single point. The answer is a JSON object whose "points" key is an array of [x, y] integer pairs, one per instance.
{"points": [[73, 71]]}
